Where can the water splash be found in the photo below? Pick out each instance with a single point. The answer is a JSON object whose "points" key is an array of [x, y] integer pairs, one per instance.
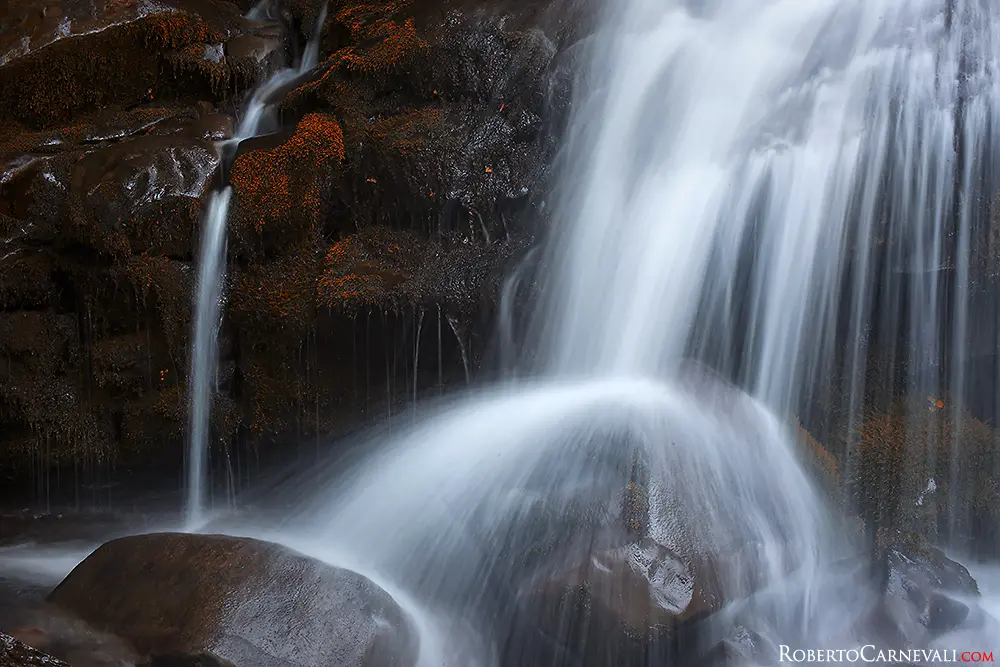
{"points": [[211, 278]]}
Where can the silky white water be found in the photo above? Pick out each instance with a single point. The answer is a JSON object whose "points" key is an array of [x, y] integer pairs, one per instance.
{"points": [[742, 175], [769, 187], [211, 278]]}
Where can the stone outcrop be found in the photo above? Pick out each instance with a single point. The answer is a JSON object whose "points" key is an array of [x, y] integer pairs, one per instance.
{"points": [[924, 593], [176, 597]]}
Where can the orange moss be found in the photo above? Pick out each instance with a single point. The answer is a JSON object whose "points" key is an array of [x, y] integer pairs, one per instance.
{"points": [[382, 45], [174, 30], [821, 461], [899, 451], [275, 187], [357, 274]]}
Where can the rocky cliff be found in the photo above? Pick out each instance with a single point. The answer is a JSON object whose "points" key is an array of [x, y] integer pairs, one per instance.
{"points": [[368, 228]]}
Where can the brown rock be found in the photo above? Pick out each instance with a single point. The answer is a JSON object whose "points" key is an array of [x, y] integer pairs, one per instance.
{"points": [[142, 195], [243, 600], [85, 56]]}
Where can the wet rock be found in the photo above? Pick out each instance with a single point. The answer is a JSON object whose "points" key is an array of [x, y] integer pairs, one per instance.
{"points": [[384, 269], [185, 660], [924, 594], [628, 602], [37, 193], [242, 600], [14, 653], [166, 287], [26, 277], [742, 647], [910, 447], [142, 195], [124, 63], [393, 186]]}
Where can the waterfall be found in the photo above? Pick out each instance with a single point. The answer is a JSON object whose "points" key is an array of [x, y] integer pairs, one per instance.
{"points": [[211, 278], [765, 188]]}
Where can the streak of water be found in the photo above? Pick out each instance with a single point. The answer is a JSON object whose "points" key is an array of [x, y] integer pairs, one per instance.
{"points": [[211, 279]]}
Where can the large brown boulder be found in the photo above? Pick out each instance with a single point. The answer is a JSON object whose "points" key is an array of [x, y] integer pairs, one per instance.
{"points": [[246, 601], [629, 602]]}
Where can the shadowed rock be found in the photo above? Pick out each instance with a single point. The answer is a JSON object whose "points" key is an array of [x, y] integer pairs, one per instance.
{"points": [[245, 601]]}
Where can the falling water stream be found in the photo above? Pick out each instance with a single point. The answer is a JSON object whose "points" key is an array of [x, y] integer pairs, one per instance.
{"points": [[745, 173], [211, 278]]}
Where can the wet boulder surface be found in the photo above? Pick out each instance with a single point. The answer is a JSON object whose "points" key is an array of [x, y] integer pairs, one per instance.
{"points": [[215, 600], [14, 653], [369, 228], [925, 594]]}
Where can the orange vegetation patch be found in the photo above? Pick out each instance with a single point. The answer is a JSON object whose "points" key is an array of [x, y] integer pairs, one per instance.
{"points": [[899, 451], [358, 274], [819, 459], [175, 30], [382, 45], [286, 184]]}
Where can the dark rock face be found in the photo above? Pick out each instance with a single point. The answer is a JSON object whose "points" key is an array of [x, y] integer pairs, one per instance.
{"points": [[14, 653], [239, 600], [368, 230]]}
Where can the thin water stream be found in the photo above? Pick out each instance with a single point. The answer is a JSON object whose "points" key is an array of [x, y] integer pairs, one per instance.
{"points": [[211, 280]]}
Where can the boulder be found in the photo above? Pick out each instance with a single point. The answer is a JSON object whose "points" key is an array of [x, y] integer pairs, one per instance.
{"points": [[925, 594], [627, 602], [242, 600], [14, 653], [94, 55], [142, 195]]}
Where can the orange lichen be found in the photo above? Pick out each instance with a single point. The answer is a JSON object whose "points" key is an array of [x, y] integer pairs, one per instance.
{"points": [[356, 275], [175, 30], [821, 461], [281, 190], [381, 46]]}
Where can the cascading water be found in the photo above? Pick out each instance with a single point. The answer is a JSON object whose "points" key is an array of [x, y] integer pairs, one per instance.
{"points": [[211, 276], [748, 173]]}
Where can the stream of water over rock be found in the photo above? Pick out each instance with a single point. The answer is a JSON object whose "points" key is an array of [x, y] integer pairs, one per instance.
{"points": [[211, 278]]}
